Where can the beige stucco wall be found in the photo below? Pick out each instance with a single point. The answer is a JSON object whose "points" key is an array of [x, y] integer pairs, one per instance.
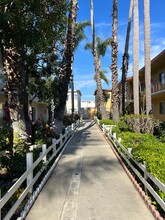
{"points": [[109, 102], [41, 108], [156, 107], [41, 111]]}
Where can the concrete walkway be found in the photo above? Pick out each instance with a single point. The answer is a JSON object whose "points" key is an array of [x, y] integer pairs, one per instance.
{"points": [[89, 184]]}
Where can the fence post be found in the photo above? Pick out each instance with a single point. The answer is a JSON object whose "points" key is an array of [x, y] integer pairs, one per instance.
{"points": [[72, 127], [103, 128], [29, 163], [129, 151], [54, 142], [145, 176], [43, 151], [119, 140], [114, 135], [61, 141], [54, 149]]}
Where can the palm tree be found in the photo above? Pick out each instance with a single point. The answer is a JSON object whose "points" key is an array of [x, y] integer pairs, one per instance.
{"points": [[97, 66], [136, 58], [114, 45], [147, 55], [79, 36], [125, 62], [101, 47], [66, 67]]}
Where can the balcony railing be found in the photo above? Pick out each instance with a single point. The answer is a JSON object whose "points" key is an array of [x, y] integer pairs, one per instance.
{"points": [[157, 86]]}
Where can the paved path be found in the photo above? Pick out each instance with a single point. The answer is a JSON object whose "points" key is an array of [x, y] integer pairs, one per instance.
{"points": [[89, 184]]}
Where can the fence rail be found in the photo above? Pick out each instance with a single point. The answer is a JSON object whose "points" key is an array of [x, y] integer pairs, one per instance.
{"points": [[30, 179], [140, 169]]}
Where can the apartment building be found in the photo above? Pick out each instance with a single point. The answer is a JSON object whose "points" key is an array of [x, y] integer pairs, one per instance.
{"points": [[157, 88], [157, 84], [88, 109], [77, 102]]}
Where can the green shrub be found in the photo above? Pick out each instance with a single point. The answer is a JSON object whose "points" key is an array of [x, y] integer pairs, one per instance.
{"points": [[20, 145], [15, 165], [69, 119], [5, 137], [162, 138], [141, 123], [107, 122], [153, 154], [130, 139]]}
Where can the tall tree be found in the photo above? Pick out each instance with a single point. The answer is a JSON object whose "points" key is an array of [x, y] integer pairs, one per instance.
{"points": [[101, 46], [136, 58], [28, 28], [79, 36], [125, 61], [66, 66], [97, 67], [147, 55], [114, 67]]}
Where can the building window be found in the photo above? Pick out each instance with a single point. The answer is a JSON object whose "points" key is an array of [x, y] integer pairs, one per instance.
{"points": [[162, 107], [162, 78]]}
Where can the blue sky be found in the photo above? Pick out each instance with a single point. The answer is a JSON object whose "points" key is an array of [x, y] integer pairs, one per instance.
{"points": [[84, 64]]}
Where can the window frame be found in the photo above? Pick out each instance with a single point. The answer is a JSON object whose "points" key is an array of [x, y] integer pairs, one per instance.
{"points": [[162, 108]]}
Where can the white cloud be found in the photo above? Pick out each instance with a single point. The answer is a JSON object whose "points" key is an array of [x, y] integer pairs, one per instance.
{"points": [[103, 24], [80, 84]]}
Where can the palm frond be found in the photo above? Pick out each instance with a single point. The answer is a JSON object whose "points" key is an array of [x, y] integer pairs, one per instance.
{"points": [[88, 46], [79, 33], [103, 76]]}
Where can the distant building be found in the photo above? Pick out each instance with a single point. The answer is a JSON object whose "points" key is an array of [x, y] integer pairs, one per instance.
{"points": [[108, 99], [77, 102], [157, 88], [88, 109], [87, 104]]}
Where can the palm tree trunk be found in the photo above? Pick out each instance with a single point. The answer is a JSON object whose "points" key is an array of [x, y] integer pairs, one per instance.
{"points": [[125, 62], [147, 55], [66, 68], [136, 58], [114, 45], [101, 98]]}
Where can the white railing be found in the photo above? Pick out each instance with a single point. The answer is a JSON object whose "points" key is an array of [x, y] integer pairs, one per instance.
{"points": [[145, 177], [28, 175]]}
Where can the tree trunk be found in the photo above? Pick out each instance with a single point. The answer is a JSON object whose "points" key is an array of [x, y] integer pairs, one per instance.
{"points": [[114, 45], [101, 98], [136, 58], [125, 62], [66, 67], [16, 94], [147, 55]]}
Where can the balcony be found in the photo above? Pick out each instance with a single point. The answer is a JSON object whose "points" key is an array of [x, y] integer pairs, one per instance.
{"points": [[157, 87]]}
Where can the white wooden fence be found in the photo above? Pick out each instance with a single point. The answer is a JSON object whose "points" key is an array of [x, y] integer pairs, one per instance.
{"points": [[30, 179], [141, 172]]}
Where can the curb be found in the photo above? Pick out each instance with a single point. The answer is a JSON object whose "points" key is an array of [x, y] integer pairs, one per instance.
{"points": [[145, 198]]}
